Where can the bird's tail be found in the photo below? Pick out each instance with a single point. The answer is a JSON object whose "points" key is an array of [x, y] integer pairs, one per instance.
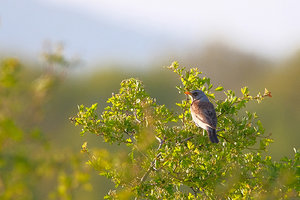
{"points": [[212, 134]]}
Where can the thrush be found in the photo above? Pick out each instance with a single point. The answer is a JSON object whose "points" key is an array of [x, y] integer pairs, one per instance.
{"points": [[204, 114]]}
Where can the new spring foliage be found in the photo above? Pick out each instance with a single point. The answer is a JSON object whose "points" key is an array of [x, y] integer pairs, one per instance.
{"points": [[165, 156]]}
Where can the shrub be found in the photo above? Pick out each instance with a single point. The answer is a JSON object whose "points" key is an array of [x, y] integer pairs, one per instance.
{"points": [[165, 156]]}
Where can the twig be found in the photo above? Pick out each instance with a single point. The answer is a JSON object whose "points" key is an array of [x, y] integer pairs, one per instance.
{"points": [[268, 136], [224, 138], [134, 113], [146, 174], [131, 137], [161, 142], [221, 130], [204, 193], [135, 145], [249, 148], [195, 191], [153, 163], [187, 139]]}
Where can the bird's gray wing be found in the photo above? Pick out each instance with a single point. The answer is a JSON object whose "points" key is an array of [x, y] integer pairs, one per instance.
{"points": [[205, 112]]}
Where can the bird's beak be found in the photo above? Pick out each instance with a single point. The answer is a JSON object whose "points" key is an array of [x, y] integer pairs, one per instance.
{"points": [[187, 92]]}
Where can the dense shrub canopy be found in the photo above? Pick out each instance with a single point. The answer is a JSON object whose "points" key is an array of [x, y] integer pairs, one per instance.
{"points": [[167, 156]]}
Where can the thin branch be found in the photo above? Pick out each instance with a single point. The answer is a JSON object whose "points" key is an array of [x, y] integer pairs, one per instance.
{"points": [[134, 113], [224, 138], [161, 142], [153, 163], [219, 130], [131, 137], [195, 191], [249, 148], [268, 136], [135, 145], [146, 174], [187, 139], [202, 190]]}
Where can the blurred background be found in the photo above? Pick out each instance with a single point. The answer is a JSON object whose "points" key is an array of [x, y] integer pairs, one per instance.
{"points": [[57, 54]]}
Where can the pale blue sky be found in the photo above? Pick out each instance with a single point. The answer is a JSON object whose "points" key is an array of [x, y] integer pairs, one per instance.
{"points": [[138, 30]]}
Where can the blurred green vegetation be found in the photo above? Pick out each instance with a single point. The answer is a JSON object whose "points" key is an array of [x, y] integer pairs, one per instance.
{"points": [[31, 167], [40, 148]]}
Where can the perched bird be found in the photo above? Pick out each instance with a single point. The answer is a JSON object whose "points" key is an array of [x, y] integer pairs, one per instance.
{"points": [[204, 114]]}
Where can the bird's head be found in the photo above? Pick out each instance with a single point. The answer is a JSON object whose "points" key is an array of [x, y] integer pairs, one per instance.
{"points": [[197, 95]]}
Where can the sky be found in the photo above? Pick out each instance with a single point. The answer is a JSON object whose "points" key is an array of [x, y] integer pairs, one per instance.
{"points": [[139, 30]]}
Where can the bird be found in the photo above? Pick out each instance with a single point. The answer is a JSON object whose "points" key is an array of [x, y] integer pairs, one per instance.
{"points": [[203, 113]]}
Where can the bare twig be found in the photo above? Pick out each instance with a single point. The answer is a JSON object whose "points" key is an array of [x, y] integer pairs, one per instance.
{"points": [[134, 113], [195, 191], [153, 163], [249, 148], [224, 138], [268, 136], [130, 136], [161, 142], [187, 139]]}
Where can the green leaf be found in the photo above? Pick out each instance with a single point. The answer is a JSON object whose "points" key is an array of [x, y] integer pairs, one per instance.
{"points": [[190, 145], [245, 91], [220, 88]]}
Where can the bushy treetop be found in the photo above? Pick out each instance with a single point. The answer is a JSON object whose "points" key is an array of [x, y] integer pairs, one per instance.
{"points": [[166, 156]]}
